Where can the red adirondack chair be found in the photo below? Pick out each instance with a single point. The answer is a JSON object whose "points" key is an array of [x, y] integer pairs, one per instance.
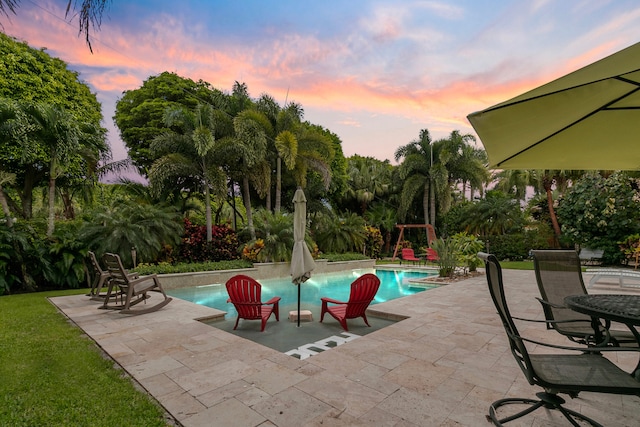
{"points": [[363, 290], [409, 255], [245, 295]]}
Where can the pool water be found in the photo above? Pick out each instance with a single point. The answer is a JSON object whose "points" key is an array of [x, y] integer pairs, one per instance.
{"points": [[393, 284]]}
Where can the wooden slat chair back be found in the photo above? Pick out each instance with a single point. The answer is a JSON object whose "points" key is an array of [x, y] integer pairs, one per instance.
{"points": [[100, 278], [131, 288], [363, 291], [245, 294]]}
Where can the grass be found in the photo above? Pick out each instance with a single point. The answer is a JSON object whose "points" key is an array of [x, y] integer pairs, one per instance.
{"points": [[52, 375], [517, 265]]}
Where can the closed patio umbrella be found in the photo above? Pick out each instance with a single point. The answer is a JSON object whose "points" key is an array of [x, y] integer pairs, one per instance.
{"points": [[301, 260], [588, 119]]}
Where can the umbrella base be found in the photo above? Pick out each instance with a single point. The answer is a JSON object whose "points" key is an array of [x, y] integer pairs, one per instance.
{"points": [[305, 316]]}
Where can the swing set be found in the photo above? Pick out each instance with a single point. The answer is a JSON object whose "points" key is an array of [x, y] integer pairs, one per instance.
{"points": [[431, 235]]}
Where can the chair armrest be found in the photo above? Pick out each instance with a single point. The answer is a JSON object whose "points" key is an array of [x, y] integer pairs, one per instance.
{"points": [[272, 301], [331, 300], [592, 349], [603, 329], [549, 304]]}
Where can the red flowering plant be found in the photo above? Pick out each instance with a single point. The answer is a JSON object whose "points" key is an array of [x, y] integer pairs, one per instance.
{"points": [[195, 248]]}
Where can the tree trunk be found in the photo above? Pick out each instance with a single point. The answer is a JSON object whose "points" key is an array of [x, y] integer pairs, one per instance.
{"points": [[26, 195], [432, 197], [387, 245], [552, 212], [5, 208], [247, 206], [52, 207], [425, 205], [69, 212], [278, 184], [207, 204]]}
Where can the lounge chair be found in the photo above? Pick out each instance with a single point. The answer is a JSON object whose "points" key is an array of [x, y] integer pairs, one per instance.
{"points": [[245, 295], [590, 256], [559, 274], [130, 288], [363, 290], [570, 372], [409, 255], [432, 255]]}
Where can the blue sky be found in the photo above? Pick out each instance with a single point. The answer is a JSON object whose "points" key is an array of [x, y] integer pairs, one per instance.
{"points": [[373, 72]]}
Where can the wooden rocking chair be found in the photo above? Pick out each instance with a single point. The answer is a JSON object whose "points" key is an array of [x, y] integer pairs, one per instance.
{"points": [[131, 288], [100, 278]]}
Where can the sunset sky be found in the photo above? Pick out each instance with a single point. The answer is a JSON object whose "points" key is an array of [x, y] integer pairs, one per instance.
{"points": [[373, 72]]}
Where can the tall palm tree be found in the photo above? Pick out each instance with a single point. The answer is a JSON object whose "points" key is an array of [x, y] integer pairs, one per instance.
{"points": [[188, 157], [419, 175], [369, 179], [250, 144], [463, 162], [60, 134], [515, 182], [286, 143], [12, 126], [384, 218]]}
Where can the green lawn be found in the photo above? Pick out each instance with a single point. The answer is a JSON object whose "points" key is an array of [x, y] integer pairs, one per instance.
{"points": [[52, 375]]}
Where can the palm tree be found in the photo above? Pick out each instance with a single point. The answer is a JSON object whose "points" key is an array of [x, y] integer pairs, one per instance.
{"points": [[286, 143], [369, 179], [189, 157], [250, 146], [58, 131], [12, 126], [515, 182], [419, 175], [315, 153], [384, 218]]}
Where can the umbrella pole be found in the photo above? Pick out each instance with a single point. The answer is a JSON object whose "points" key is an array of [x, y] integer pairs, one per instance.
{"points": [[299, 285]]}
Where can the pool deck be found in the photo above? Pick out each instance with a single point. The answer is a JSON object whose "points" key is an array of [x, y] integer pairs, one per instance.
{"points": [[442, 366]]}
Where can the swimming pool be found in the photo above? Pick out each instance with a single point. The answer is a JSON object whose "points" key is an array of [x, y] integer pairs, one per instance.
{"points": [[393, 284]]}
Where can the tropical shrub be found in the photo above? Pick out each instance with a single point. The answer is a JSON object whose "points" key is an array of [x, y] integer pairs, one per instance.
{"points": [[373, 242], [515, 247], [599, 212], [339, 232], [195, 248], [276, 232], [251, 250], [191, 267], [22, 262], [448, 250], [347, 256], [68, 255], [129, 225], [630, 247], [468, 247]]}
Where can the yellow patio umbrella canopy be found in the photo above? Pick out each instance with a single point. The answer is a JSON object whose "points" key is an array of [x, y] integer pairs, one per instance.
{"points": [[588, 119]]}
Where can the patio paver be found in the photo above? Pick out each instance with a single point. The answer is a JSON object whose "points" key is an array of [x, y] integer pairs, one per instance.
{"points": [[442, 366]]}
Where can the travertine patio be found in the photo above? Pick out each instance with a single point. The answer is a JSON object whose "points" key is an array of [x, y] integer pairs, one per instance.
{"points": [[442, 366]]}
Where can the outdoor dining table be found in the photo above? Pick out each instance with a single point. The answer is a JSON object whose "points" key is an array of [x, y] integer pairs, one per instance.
{"points": [[614, 307]]}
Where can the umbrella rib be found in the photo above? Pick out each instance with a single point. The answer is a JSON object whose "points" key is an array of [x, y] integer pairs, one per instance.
{"points": [[618, 77], [604, 107]]}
